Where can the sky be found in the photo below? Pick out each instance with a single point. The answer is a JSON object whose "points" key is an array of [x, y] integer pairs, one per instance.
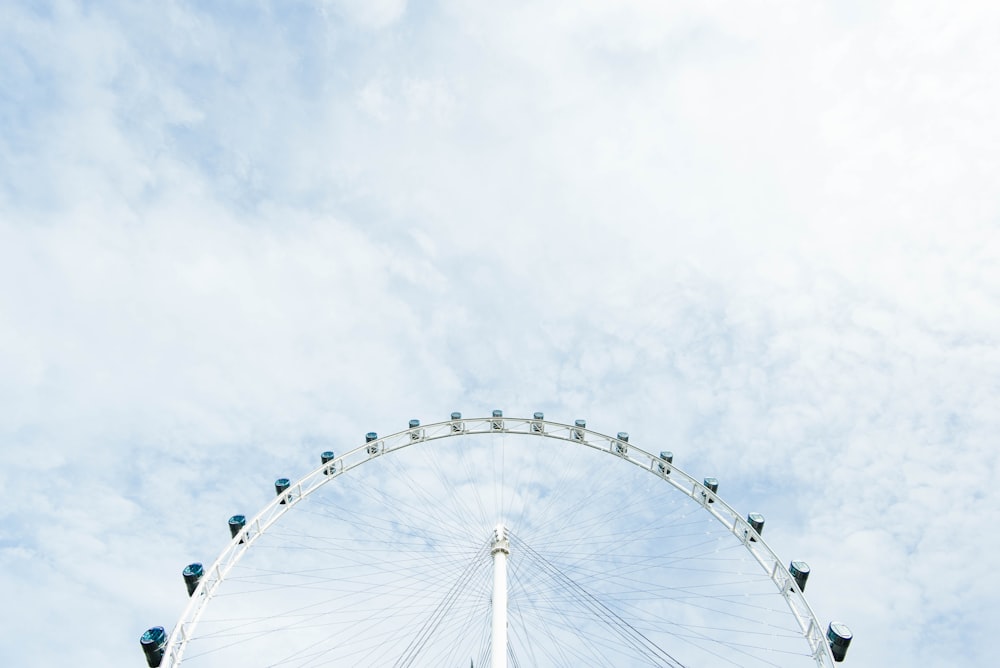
{"points": [[763, 235]]}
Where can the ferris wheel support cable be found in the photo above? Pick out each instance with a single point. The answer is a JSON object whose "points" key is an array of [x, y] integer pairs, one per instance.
{"points": [[563, 616], [596, 575], [429, 504], [413, 649], [575, 595], [697, 632], [625, 605], [640, 640], [557, 609], [523, 594], [434, 623], [525, 638], [428, 511]]}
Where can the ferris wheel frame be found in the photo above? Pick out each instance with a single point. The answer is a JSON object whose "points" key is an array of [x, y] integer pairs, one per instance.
{"points": [[617, 446]]}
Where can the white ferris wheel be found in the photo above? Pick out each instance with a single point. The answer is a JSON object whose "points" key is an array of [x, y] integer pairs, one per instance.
{"points": [[498, 542]]}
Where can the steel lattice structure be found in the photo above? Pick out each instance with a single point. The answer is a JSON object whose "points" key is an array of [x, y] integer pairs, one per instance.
{"points": [[619, 447]]}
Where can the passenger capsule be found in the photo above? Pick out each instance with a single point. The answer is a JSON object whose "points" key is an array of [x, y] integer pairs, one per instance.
{"points": [[713, 486], [154, 644], [537, 425], [840, 638], [192, 576], [236, 524], [371, 436], [325, 458], [281, 485], [799, 570]]}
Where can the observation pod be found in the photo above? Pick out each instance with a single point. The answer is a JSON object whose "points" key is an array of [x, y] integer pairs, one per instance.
{"points": [[370, 438], [621, 445], [840, 638], [154, 644], [800, 572], [236, 524], [577, 433], [666, 458], [712, 484], [496, 424], [326, 458], [416, 433], [192, 576], [280, 486], [537, 425], [456, 423], [756, 521]]}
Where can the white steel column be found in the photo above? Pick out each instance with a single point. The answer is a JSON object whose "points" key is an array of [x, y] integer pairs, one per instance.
{"points": [[500, 552]]}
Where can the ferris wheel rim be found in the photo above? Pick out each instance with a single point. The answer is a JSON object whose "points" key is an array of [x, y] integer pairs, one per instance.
{"points": [[577, 433]]}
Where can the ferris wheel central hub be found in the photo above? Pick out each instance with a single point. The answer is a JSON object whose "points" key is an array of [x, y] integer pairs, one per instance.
{"points": [[501, 543]]}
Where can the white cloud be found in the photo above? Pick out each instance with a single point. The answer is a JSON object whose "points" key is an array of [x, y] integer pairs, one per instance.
{"points": [[365, 13], [763, 236]]}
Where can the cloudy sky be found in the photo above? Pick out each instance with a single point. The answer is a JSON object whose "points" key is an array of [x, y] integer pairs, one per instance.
{"points": [[761, 235]]}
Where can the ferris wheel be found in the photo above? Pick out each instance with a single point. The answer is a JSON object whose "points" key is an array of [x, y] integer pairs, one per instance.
{"points": [[497, 541]]}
